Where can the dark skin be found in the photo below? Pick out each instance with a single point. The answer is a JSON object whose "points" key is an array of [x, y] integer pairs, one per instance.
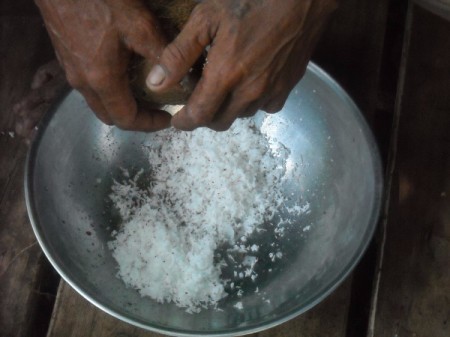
{"points": [[94, 41], [259, 50], [47, 85]]}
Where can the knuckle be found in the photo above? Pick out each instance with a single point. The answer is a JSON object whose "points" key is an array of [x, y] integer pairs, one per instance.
{"points": [[124, 124], [278, 98], [143, 27], [252, 93], [199, 14], [202, 18], [220, 127], [226, 74], [274, 106], [198, 117], [174, 55], [98, 79], [104, 119], [255, 92], [249, 112], [74, 80], [230, 69]]}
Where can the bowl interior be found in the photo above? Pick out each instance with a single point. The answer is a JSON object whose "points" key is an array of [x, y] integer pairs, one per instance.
{"points": [[333, 165]]}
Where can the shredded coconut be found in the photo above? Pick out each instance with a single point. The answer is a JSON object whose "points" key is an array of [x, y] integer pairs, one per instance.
{"points": [[206, 189], [239, 306]]}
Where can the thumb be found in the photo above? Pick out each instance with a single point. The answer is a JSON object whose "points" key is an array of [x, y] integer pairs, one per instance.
{"points": [[178, 57]]}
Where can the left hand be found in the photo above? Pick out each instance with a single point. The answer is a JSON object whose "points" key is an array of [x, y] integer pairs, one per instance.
{"points": [[47, 85], [259, 50]]}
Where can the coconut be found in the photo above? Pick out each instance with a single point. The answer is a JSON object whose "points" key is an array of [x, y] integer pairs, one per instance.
{"points": [[172, 15]]}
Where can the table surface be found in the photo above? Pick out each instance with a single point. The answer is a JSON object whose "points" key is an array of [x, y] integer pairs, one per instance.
{"points": [[394, 60]]}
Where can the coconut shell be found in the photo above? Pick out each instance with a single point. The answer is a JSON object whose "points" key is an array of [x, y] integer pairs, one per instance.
{"points": [[172, 15]]}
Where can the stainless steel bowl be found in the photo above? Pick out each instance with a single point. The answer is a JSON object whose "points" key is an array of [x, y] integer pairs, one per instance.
{"points": [[74, 158]]}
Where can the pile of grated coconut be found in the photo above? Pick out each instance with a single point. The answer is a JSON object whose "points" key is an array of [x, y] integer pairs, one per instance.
{"points": [[207, 189]]}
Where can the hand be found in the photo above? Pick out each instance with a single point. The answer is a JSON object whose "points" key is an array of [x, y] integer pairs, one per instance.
{"points": [[48, 83], [259, 50], [94, 41]]}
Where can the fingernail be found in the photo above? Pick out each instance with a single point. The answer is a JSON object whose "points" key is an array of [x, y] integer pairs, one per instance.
{"points": [[156, 76]]}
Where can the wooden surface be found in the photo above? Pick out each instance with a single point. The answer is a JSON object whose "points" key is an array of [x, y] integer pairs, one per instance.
{"points": [[413, 298], [21, 260], [73, 316], [352, 47], [361, 50]]}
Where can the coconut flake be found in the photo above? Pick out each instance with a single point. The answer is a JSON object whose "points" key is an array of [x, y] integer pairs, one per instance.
{"points": [[207, 189]]}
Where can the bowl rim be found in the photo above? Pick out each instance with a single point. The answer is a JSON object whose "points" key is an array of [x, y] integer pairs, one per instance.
{"points": [[327, 290]]}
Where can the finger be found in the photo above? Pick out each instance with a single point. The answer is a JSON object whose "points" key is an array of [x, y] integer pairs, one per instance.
{"points": [[96, 105], [29, 103], [229, 112], [121, 107], [180, 55], [251, 109], [47, 93], [54, 88], [208, 96], [279, 96], [245, 101], [151, 120], [26, 122], [146, 38], [275, 104], [45, 73]]}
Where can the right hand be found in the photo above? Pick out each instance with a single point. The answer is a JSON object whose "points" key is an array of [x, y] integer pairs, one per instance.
{"points": [[94, 41]]}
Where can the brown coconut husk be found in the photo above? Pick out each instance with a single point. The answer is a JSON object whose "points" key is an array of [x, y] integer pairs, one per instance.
{"points": [[173, 15]]}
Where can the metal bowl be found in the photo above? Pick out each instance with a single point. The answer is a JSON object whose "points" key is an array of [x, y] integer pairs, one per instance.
{"points": [[74, 159]]}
